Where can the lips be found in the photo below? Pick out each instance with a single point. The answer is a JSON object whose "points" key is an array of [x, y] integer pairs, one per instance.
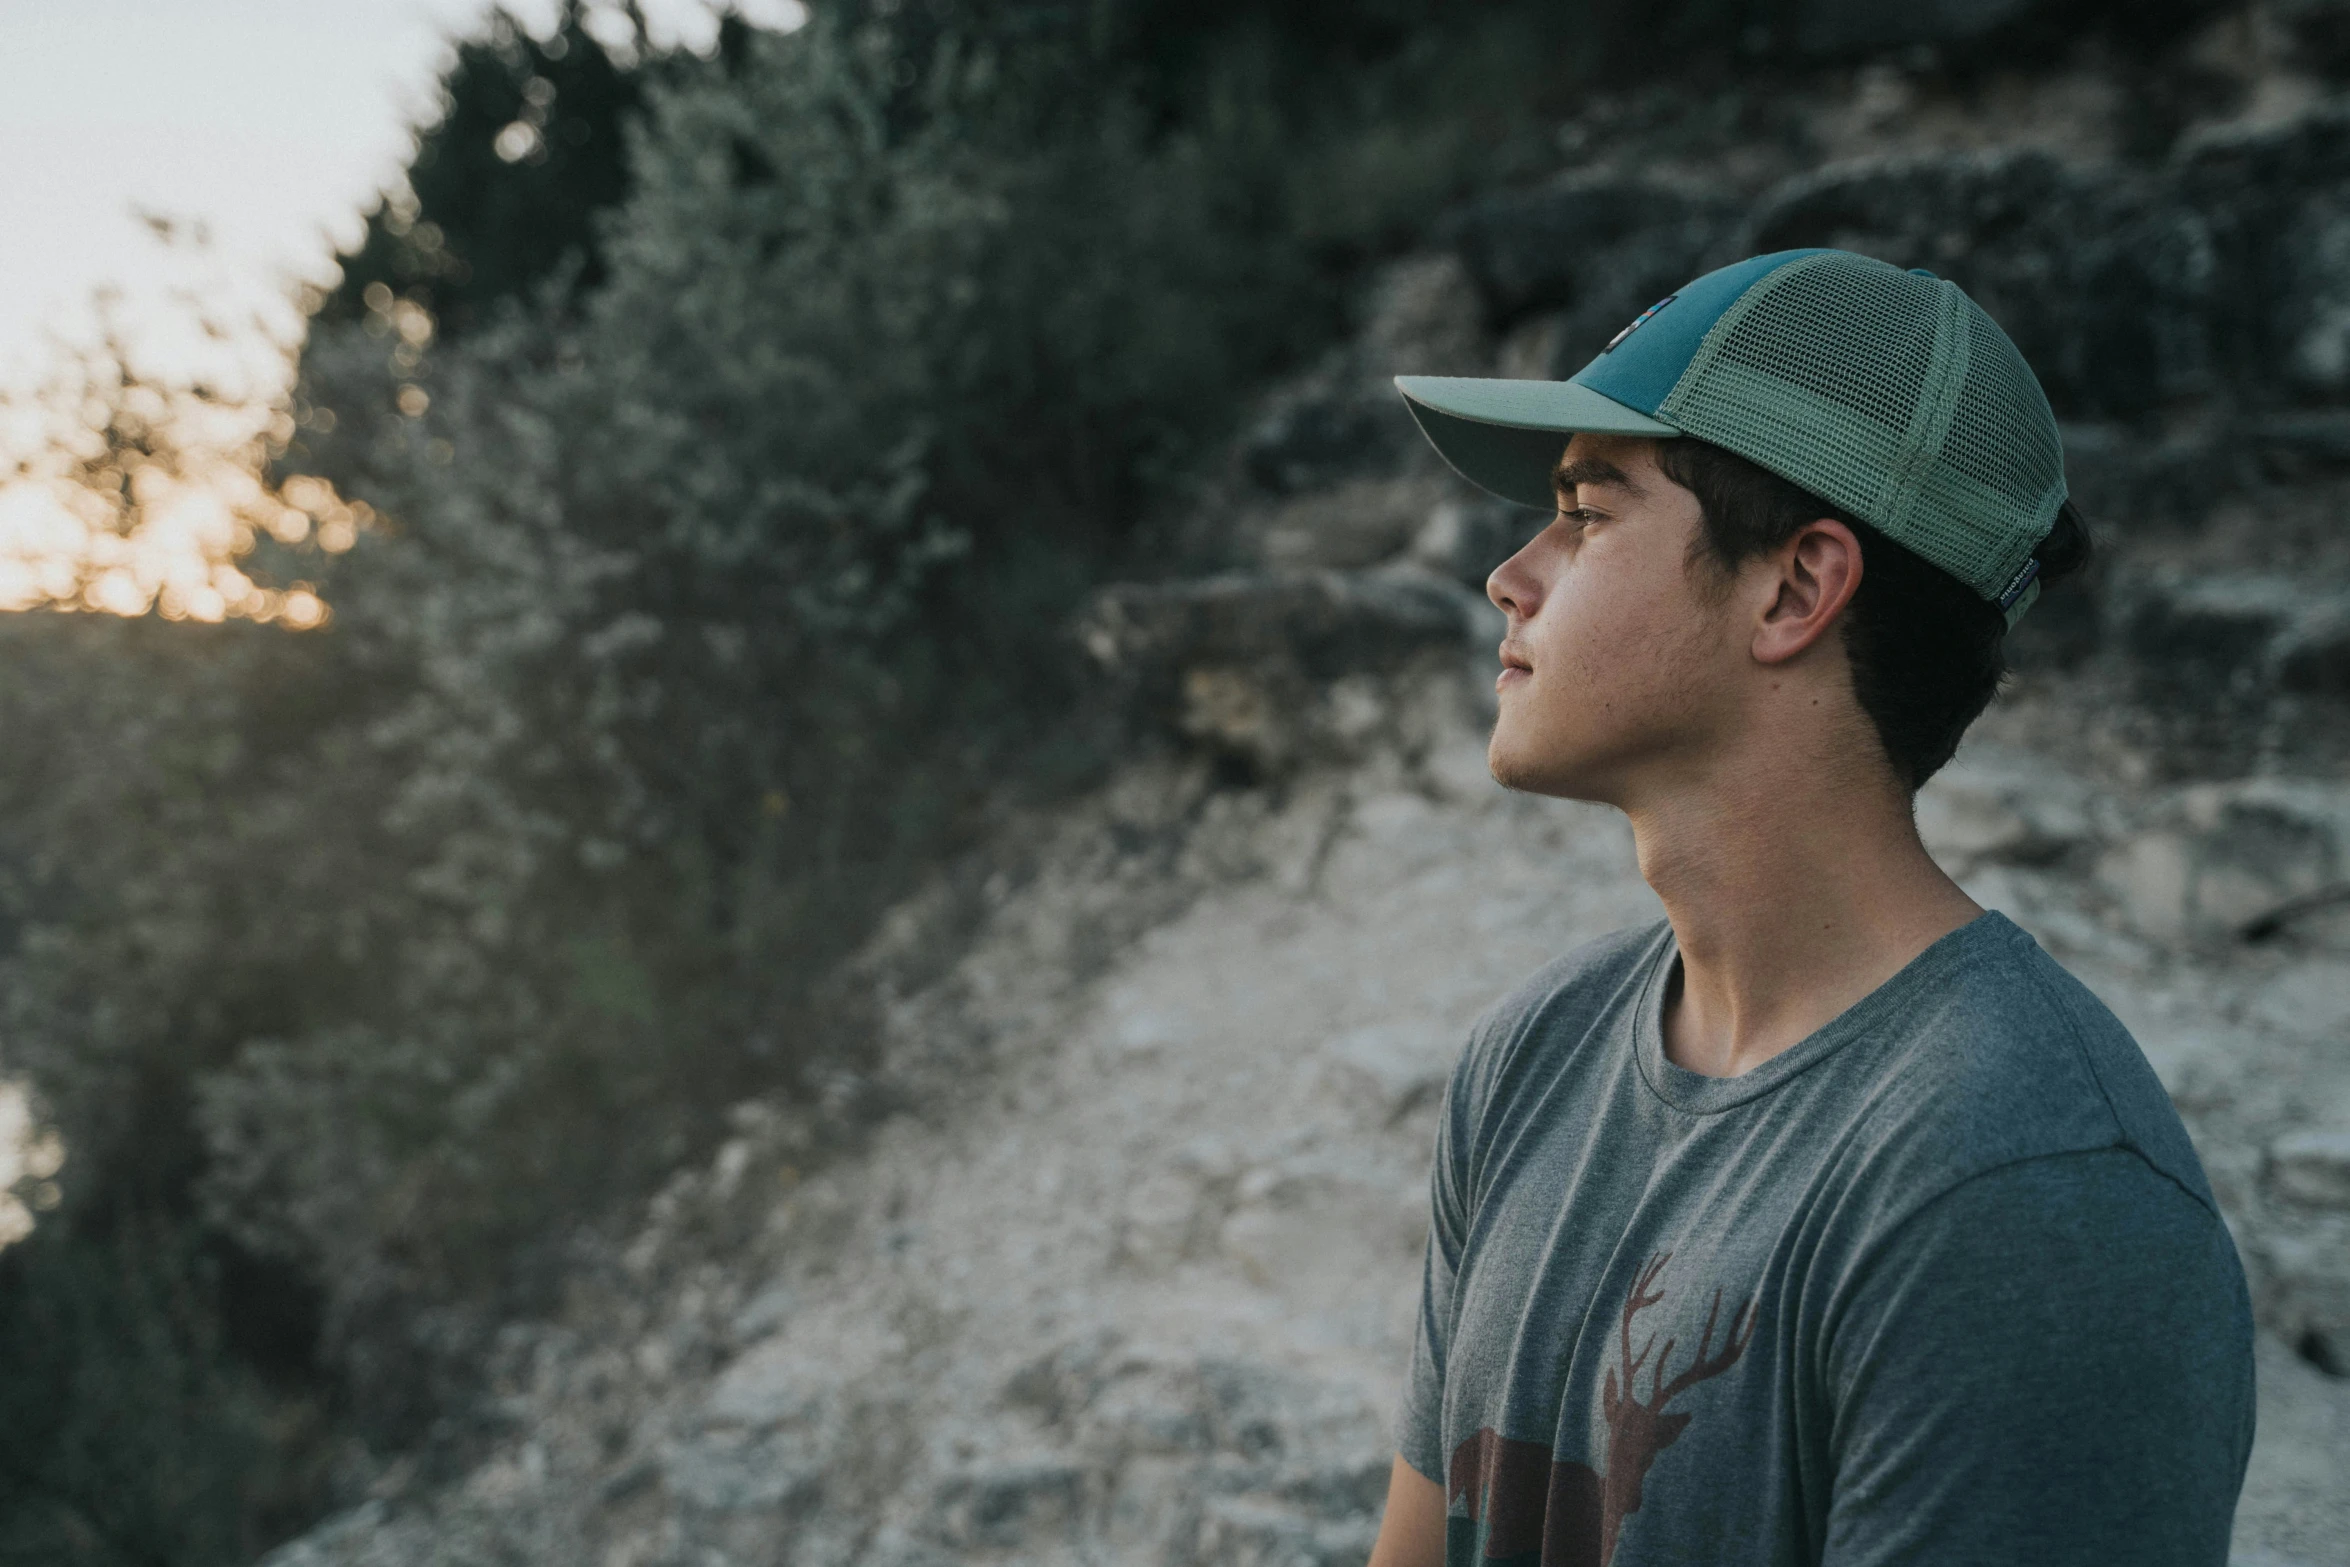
{"points": [[1514, 668]]}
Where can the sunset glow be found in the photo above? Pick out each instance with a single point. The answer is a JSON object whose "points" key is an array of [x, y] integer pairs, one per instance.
{"points": [[126, 498], [30, 1158], [198, 230]]}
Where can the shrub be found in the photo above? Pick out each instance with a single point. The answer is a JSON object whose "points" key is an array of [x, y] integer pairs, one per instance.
{"points": [[717, 587]]}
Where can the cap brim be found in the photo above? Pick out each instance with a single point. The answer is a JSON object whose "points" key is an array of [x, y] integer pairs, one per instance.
{"points": [[1506, 436]]}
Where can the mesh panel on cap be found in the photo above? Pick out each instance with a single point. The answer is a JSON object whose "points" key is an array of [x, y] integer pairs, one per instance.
{"points": [[2003, 437], [1890, 395]]}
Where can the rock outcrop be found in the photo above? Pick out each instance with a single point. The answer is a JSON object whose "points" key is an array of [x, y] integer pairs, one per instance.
{"points": [[1133, 1279], [1126, 1274]]}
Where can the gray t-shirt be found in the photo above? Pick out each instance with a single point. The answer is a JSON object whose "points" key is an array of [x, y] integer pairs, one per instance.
{"points": [[1941, 1284]]}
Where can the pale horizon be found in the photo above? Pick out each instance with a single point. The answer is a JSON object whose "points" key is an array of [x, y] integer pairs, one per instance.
{"points": [[271, 126], [194, 168]]}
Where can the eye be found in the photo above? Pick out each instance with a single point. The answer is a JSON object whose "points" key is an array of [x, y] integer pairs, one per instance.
{"points": [[1578, 517]]}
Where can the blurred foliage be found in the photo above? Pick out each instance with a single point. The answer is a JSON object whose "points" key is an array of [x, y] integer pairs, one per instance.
{"points": [[728, 592], [728, 502], [504, 187], [134, 1435], [129, 494], [161, 867]]}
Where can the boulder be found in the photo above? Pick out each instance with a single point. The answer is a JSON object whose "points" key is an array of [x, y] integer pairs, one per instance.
{"points": [[1317, 434], [1325, 623], [1244, 1532], [2312, 656], [1392, 1068], [2225, 270], [1465, 538], [1340, 420], [1320, 1231], [2220, 626], [2307, 1001], [2239, 632], [2312, 1167], [2309, 1292], [2298, 442], [1030, 1505], [1597, 248], [2219, 861], [1244, 663], [2131, 481], [2320, 30], [1350, 525], [2274, 201], [2103, 281], [2004, 30], [1839, 28], [1160, 1220], [2002, 809]]}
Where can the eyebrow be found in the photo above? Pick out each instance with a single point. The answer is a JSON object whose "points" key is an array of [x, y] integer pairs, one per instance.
{"points": [[1588, 470]]}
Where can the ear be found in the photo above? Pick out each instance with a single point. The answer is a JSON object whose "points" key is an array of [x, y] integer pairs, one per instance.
{"points": [[1810, 579]]}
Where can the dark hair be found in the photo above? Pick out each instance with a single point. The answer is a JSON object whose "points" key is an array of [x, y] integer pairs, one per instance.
{"points": [[1927, 652]]}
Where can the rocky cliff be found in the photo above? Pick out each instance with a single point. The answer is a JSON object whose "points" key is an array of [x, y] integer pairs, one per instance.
{"points": [[1122, 1268]]}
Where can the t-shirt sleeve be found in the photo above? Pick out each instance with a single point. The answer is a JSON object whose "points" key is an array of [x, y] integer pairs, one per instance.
{"points": [[1419, 1420], [2050, 1363]]}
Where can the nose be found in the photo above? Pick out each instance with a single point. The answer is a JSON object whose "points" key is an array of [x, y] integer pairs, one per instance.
{"points": [[1516, 590]]}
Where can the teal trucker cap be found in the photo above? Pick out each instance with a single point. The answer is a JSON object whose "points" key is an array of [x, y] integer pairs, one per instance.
{"points": [[1888, 394]]}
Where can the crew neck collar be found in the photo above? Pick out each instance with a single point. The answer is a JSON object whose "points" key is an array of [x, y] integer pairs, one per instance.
{"points": [[1700, 1094]]}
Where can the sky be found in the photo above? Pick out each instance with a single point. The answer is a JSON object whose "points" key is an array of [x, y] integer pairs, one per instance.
{"points": [[268, 126]]}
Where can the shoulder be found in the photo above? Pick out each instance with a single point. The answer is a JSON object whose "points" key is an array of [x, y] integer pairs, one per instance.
{"points": [[2141, 1107], [2003, 1056], [2072, 1237], [1586, 979], [2073, 1315], [1558, 1004]]}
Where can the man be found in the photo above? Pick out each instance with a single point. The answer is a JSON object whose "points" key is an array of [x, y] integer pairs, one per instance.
{"points": [[1827, 1220]]}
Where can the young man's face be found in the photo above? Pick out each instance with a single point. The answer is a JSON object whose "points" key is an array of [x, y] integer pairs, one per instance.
{"points": [[1619, 662]]}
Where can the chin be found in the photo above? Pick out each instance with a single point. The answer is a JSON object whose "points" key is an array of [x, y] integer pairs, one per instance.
{"points": [[1513, 767], [1553, 765]]}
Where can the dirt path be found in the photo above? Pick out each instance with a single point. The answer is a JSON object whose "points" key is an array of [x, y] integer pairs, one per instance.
{"points": [[1136, 1286]]}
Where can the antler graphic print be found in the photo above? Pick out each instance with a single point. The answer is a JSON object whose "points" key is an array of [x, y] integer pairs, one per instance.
{"points": [[1567, 1512], [1639, 1430]]}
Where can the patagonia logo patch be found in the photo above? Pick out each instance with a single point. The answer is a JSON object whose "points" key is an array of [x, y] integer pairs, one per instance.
{"points": [[2017, 583], [1638, 322]]}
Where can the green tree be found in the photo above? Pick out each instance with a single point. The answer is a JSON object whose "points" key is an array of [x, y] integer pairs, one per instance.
{"points": [[727, 530], [504, 187]]}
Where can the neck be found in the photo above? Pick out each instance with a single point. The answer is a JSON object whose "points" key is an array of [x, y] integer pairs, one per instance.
{"points": [[1795, 887]]}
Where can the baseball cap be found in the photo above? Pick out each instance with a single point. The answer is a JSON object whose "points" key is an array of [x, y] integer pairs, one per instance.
{"points": [[1889, 394]]}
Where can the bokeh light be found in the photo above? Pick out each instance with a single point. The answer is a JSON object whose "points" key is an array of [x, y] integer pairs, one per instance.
{"points": [[126, 496], [30, 1157]]}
